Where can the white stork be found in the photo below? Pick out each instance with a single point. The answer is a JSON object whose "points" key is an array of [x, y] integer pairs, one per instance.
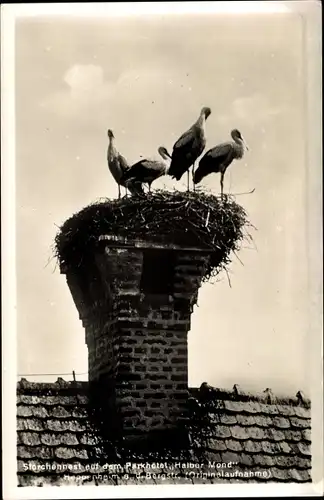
{"points": [[220, 157], [189, 147], [118, 165], [147, 171]]}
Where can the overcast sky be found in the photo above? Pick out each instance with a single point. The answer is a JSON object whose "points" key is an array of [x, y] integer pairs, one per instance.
{"points": [[147, 79]]}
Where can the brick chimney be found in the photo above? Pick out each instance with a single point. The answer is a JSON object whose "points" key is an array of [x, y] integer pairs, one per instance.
{"points": [[135, 299]]}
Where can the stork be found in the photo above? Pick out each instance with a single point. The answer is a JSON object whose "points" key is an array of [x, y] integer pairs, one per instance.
{"points": [[220, 157], [189, 147], [147, 171], [118, 166]]}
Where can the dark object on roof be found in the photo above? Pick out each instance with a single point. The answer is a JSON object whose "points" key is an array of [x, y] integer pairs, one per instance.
{"points": [[233, 437]]}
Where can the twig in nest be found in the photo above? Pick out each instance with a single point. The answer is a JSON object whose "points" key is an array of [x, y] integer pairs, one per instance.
{"points": [[207, 218], [247, 192], [229, 280], [237, 257]]}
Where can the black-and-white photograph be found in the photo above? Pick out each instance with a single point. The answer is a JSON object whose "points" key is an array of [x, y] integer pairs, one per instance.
{"points": [[164, 277]]}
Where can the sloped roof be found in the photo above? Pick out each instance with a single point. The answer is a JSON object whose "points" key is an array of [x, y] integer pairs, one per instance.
{"points": [[233, 437]]}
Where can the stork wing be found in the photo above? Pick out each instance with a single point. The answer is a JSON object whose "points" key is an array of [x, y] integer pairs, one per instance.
{"points": [[186, 140], [220, 151], [123, 163], [145, 170]]}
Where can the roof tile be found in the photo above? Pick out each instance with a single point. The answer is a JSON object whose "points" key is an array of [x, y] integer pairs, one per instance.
{"points": [[69, 439], [300, 475], [60, 412], [302, 412], [252, 446], [264, 460], [233, 406], [222, 431], [25, 451], [44, 452], [39, 411], [63, 452], [50, 400], [21, 426], [80, 412], [268, 409], [65, 425], [227, 419], [81, 453], [252, 407], [280, 474], [292, 435], [216, 444], [285, 448], [24, 411], [239, 432], [56, 425], [213, 456], [291, 461], [281, 422], [228, 456], [68, 400], [304, 448], [275, 434], [30, 438], [31, 424], [246, 459], [294, 448], [306, 434], [301, 423], [286, 410], [246, 419], [256, 433], [51, 439], [263, 420], [270, 447], [233, 445], [35, 452], [89, 439], [29, 399], [83, 399]]}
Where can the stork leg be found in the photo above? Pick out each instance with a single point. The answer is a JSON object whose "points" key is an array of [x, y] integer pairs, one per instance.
{"points": [[193, 176], [188, 177], [126, 193], [222, 183], [119, 191]]}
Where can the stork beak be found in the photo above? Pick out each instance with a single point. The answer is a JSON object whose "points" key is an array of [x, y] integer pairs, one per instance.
{"points": [[246, 146]]}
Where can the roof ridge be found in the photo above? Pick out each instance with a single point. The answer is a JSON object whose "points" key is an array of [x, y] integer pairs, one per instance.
{"points": [[24, 385], [208, 392], [204, 392]]}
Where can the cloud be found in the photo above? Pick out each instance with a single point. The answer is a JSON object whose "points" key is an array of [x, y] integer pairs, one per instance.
{"points": [[137, 96], [85, 87], [255, 109], [84, 80]]}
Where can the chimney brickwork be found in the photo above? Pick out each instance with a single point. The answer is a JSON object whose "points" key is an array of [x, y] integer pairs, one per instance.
{"points": [[135, 300]]}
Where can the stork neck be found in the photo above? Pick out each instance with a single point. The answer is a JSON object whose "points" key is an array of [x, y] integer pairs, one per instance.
{"points": [[239, 147], [201, 123], [201, 120], [111, 148]]}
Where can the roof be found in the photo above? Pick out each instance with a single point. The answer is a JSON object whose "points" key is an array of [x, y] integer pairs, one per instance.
{"points": [[233, 436]]}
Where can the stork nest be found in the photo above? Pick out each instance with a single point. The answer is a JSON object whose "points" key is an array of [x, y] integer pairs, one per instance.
{"points": [[191, 219]]}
